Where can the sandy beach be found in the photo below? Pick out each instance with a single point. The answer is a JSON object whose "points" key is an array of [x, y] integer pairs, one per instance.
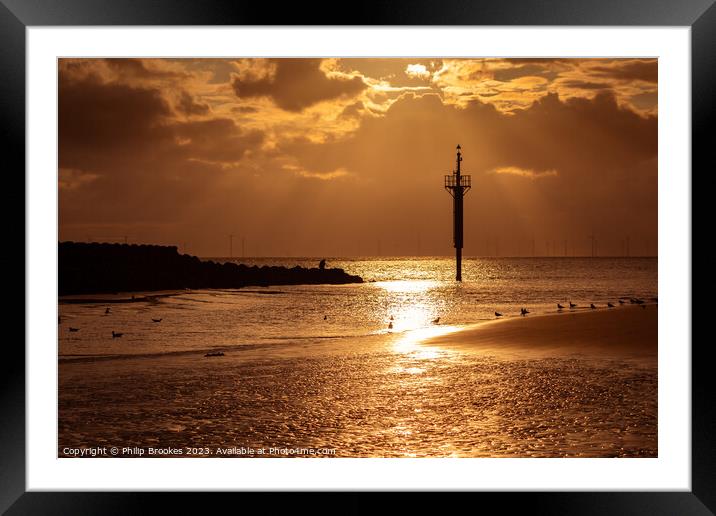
{"points": [[629, 332]]}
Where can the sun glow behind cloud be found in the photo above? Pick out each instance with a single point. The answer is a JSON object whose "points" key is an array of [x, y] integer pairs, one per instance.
{"points": [[580, 130]]}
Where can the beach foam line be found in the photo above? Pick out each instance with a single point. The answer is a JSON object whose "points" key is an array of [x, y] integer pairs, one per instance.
{"points": [[624, 332]]}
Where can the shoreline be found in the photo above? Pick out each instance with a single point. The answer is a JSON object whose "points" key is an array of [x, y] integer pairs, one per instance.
{"points": [[584, 384]]}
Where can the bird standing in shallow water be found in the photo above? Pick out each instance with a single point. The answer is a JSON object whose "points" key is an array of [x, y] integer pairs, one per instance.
{"points": [[436, 320], [572, 305], [498, 314], [591, 305], [116, 335], [559, 307], [390, 326], [610, 305], [156, 320]]}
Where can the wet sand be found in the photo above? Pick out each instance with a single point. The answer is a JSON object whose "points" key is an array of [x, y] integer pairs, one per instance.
{"points": [[568, 385]]}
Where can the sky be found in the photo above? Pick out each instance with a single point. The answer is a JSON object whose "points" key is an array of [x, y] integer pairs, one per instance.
{"points": [[347, 157]]}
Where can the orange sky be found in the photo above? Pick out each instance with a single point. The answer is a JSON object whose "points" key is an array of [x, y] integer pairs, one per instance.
{"points": [[325, 157]]}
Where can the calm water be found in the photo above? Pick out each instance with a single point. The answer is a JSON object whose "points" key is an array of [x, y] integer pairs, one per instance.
{"points": [[317, 367], [413, 292]]}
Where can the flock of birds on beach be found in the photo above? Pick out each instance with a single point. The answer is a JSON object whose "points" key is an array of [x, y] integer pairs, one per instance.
{"points": [[560, 307], [592, 306]]}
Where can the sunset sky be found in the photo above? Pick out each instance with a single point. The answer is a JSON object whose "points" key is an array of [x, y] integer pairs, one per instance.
{"points": [[327, 157]]}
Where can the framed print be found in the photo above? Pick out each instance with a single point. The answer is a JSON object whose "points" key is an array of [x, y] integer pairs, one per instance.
{"points": [[435, 249]]}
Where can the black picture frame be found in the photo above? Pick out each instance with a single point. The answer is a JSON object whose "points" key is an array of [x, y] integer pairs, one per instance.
{"points": [[17, 15]]}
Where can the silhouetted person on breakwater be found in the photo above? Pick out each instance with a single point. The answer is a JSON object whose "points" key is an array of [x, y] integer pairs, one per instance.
{"points": [[87, 268]]}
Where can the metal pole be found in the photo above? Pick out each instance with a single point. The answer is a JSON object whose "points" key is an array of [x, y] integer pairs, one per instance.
{"points": [[458, 187]]}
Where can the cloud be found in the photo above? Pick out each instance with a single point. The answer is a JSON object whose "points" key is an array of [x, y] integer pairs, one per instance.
{"points": [[585, 85], [297, 84], [144, 68], [515, 84], [324, 176], [101, 119], [72, 179], [143, 155], [244, 109], [190, 106], [647, 71], [522, 172], [215, 141], [417, 70]]}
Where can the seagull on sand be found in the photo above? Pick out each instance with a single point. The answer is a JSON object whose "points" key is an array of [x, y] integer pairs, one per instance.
{"points": [[498, 314], [116, 335], [559, 307], [572, 305]]}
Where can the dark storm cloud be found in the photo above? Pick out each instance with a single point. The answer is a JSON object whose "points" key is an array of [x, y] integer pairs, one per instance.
{"points": [[297, 84]]}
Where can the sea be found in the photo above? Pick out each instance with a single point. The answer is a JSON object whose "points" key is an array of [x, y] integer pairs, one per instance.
{"points": [[398, 295]]}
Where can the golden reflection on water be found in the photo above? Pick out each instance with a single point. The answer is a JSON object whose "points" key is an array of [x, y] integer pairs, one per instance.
{"points": [[414, 314], [415, 368], [413, 286]]}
